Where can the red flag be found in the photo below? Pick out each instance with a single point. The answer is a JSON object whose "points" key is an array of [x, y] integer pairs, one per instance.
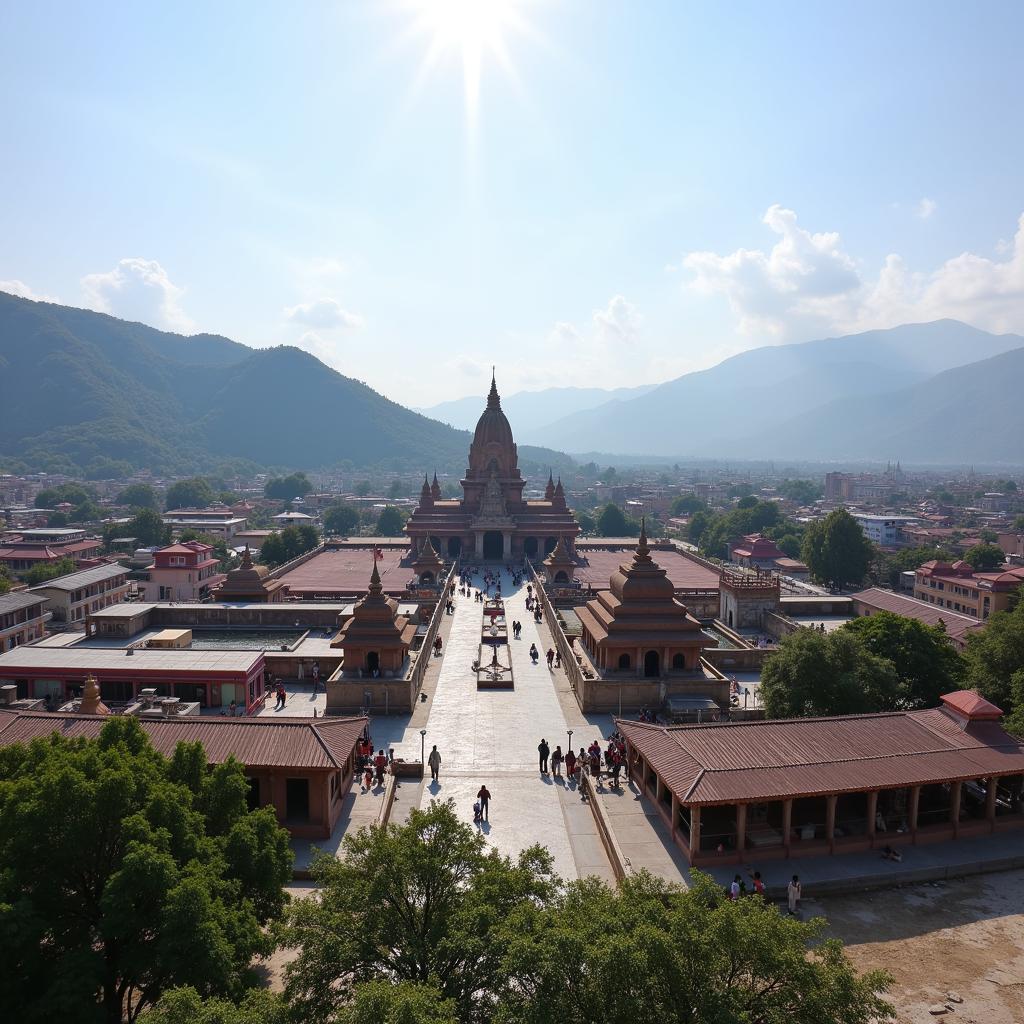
{"points": [[378, 554]]}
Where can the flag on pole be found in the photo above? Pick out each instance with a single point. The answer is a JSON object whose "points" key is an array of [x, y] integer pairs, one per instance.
{"points": [[378, 554]]}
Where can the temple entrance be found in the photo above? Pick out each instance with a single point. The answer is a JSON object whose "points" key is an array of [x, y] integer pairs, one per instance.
{"points": [[454, 547], [560, 577], [372, 662], [530, 547], [494, 545], [550, 543], [652, 664]]}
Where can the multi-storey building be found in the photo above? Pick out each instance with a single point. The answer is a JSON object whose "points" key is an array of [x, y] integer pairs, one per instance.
{"points": [[71, 598], [182, 572]]}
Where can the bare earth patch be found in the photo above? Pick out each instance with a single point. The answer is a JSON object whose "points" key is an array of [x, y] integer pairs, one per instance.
{"points": [[964, 937]]}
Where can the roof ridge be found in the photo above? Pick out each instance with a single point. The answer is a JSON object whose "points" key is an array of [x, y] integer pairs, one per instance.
{"points": [[853, 760], [779, 721]]}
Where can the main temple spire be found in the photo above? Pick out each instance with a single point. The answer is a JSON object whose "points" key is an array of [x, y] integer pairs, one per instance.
{"points": [[493, 399]]}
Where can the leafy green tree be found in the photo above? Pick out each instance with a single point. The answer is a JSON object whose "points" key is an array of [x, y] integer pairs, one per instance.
{"points": [[995, 656], [836, 550], [297, 485], [652, 951], [892, 566], [139, 496], [380, 1002], [747, 501], [5, 579], [126, 874], [611, 522], [587, 522], [341, 519], [687, 504], [57, 520], [985, 557], [925, 661], [396, 490], [147, 527], [390, 522], [698, 525], [44, 571], [272, 551], [186, 1006], [423, 903], [72, 494], [363, 488], [988, 536], [1018, 523], [291, 542], [195, 492], [814, 673], [741, 490], [803, 492]]}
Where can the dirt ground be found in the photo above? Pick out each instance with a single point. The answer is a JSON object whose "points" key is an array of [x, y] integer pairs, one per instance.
{"points": [[964, 937]]}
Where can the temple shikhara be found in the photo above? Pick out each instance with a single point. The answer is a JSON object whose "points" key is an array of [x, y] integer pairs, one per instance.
{"points": [[492, 520]]}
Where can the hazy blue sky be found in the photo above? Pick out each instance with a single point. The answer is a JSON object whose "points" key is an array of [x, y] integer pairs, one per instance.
{"points": [[642, 189]]}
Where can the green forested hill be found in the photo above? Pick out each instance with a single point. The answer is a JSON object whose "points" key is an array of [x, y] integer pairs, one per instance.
{"points": [[78, 388]]}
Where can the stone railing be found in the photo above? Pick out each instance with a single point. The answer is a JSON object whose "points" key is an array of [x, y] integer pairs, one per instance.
{"points": [[286, 567], [565, 649], [423, 657]]}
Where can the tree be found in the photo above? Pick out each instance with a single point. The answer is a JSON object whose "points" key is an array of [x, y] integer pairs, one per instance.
{"points": [[985, 557], [747, 501], [186, 1006], [5, 579], [424, 902], [43, 571], [925, 661], [892, 566], [653, 951], [287, 487], [138, 496], [291, 542], [587, 522], [83, 498], [380, 1002], [611, 522], [995, 655], [698, 525], [56, 520], [341, 519], [396, 490], [148, 528], [815, 673], [836, 550], [988, 536], [195, 492], [803, 492], [1018, 523], [363, 488], [390, 522], [126, 873], [687, 504]]}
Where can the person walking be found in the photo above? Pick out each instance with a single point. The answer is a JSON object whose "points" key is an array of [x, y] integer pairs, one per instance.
{"points": [[316, 676], [544, 750], [570, 764], [793, 894], [282, 696], [550, 655], [484, 796], [434, 760], [380, 764], [556, 761]]}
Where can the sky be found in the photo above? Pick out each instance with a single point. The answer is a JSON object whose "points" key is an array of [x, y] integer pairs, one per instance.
{"points": [[578, 191]]}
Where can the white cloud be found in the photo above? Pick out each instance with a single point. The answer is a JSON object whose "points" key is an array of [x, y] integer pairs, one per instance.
{"points": [[926, 207], [22, 290], [326, 314], [564, 333], [618, 323], [808, 285], [138, 289]]}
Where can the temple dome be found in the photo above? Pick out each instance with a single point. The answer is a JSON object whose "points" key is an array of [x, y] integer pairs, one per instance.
{"points": [[493, 427]]}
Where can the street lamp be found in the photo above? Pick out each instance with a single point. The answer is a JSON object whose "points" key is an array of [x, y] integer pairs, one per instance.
{"points": [[423, 745], [570, 739]]}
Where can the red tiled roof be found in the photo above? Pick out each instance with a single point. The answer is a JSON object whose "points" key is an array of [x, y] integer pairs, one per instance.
{"points": [[346, 570], [256, 742], [595, 566], [972, 705], [783, 759], [957, 625]]}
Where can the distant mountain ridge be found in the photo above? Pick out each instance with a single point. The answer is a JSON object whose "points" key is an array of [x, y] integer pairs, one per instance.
{"points": [[533, 410], [738, 407], [77, 387]]}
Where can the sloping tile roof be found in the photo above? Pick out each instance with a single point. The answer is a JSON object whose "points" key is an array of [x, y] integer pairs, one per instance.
{"points": [[957, 625], [256, 742], [74, 580], [15, 602], [782, 759]]}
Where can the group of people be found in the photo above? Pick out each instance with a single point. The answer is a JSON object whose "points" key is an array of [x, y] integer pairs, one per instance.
{"points": [[794, 891], [373, 766]]}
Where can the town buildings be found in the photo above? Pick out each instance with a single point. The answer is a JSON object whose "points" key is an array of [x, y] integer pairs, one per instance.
{"points": [[23, 618], [959, 588], [958, 627], [182, 572], [757, 552], [24, 549], [73, 597], [884, 530], [492, 520], [217, 521]]}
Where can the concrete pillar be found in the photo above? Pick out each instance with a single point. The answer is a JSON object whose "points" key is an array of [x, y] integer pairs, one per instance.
{"points": [[675, 815], [479, 545], [915, 800], [991, 789], [830, 821], [506, 545], [872, 812], [694, 831], [741, 829], [639, 661], [955, 791], [787, 824]]}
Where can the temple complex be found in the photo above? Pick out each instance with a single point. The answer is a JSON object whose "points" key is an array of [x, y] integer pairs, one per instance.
{"points": [[250, 583], [491, 520]]}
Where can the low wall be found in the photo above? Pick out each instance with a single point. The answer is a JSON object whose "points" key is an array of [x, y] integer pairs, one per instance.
{"points": [[285, 665], [778, 625], [282, 615], [387, 696], [423, 658], [562, 645]]}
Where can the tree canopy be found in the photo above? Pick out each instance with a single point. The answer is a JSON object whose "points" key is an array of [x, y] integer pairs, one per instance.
{"points": [[836, 550], [341, 519], [43, 571], [814, 673], [995, 658], [297, 485], [687, 504], [195, 492], [289, 543], [138, 496], [926, 663], [612, 522], [390, 522], [127, 873], [146, 526], [985, 557], [803, 492]]}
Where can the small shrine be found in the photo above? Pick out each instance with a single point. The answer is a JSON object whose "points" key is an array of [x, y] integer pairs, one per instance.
{"points": [[91, 703], [375, 639], [250, 583], [559, 565], [638, 626], [427, 564]]}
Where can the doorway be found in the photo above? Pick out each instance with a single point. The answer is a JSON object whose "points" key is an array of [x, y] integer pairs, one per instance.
{"points": [[372, 662], [296, 797], [494, 545], [454, 547], [652, 665], [530, 547]]}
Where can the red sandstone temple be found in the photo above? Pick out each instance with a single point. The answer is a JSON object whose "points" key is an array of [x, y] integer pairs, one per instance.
{"points": [[491, 520]]}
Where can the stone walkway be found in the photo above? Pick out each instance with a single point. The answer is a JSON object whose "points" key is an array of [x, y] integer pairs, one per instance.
{"points": [[490, 737]]}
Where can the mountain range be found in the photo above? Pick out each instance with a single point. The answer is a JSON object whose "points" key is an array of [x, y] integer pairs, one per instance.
{"points": [[533, 412], [83, 390], [940, 393]]}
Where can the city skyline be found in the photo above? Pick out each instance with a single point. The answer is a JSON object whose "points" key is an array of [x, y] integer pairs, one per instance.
{"points": [[618, 194]]}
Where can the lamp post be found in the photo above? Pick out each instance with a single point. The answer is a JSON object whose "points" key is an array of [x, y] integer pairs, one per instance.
{"points": [[423, 746], [570, 738]]}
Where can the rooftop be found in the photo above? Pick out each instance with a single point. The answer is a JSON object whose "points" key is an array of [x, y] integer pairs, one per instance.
{"points": [[74, 580], [15, 602], [598, 564], [34, 659], [346, 570], [957, 625]]}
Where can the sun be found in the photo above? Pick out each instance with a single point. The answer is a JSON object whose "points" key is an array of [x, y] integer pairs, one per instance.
{"points": [[472, 31]]}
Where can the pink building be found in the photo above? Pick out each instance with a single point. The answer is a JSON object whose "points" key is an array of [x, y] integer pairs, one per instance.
{"points": [[182, 572]]}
